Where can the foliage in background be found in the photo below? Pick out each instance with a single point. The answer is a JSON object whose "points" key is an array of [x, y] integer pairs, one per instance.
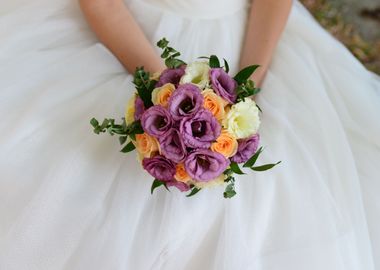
{"points": [[330, 18]]}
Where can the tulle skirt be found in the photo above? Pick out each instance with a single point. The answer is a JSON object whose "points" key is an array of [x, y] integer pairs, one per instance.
{"points": [[71, 200]]}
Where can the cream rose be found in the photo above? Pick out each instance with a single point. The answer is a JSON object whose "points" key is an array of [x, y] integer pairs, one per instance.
{"points": [[243, 119], [161, 95], [196, 73], [214, 103], [213, 183]]}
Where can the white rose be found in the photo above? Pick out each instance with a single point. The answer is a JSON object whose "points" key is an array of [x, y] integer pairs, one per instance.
{"points": [[243, 119], [196, 73]]}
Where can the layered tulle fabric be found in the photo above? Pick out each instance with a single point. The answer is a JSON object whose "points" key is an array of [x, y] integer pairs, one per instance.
{"points": [[70, 200]]}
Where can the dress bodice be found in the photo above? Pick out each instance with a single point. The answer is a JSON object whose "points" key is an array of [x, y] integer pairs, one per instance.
{"points": [[200, 8]]}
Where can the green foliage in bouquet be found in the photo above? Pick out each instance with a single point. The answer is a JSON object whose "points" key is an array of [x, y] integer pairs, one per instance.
{"points": [[145, 85], [124, 131], [170, 54]]}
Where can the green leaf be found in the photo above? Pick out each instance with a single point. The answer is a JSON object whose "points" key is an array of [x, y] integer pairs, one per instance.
{"points": [[214, 62], [203, 57], [165, 54], [144, 86], [128, 148], [94, 122], [235, 168], [106, 122], [194, 191], [245, 73], [265, 167], [123, 139], [171, 50], [170, 54], [124, 124], [165, 186], [156, 183], [226, 66], [229, 179], [176, 54], [174, 63], [162, 43], [116, 129], [256, 91], [258, 107], [134, 128], [250, 162], [227, 171], [229, 192]]}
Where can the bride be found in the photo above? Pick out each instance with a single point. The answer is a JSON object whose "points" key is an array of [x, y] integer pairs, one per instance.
{"points": [[70, 200]]}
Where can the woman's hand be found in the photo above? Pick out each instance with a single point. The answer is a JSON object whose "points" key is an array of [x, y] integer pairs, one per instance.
{"points": [[116, 28], [266, 22]]}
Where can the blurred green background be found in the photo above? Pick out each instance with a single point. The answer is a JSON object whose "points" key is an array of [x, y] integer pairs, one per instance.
{"points": [[356, 23]]}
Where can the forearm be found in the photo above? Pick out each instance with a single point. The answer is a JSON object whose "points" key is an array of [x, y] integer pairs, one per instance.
{"points": [[116, 29], [266, 22]]}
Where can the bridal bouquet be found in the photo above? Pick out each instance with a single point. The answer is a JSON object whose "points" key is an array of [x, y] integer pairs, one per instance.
{"points": [[193, 125]]}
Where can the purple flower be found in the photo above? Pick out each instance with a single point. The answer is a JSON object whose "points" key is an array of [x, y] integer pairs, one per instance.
{"points": [[246, 149], [156, 121], [159, 167], [171, 75], [223, 84], [205, 165], [185, 101], [172, 146], [139, 108], [180, 185], [200, 130]]}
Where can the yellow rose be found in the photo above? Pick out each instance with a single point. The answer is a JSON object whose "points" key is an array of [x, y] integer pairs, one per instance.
{"points": [[146, 145], [161, 95], [243, 119], [181, 174], [226, 144], [213, 183], [155, 76], [214, 103], [130, 110]]}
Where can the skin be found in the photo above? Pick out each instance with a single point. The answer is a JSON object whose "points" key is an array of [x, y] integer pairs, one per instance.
{"points": [[266, 22], [117, 29], [110, 18]]}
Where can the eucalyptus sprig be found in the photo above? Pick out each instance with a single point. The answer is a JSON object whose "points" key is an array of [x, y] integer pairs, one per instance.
{"points": [[124, 131], [170, 54], [229, 191], [108, 125]]}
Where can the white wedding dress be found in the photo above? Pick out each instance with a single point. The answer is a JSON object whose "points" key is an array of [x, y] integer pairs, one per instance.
{"points": [[70, 200]]}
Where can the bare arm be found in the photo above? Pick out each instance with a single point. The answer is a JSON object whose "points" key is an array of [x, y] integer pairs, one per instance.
{"points": [[116, 28], [266, 22]]}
